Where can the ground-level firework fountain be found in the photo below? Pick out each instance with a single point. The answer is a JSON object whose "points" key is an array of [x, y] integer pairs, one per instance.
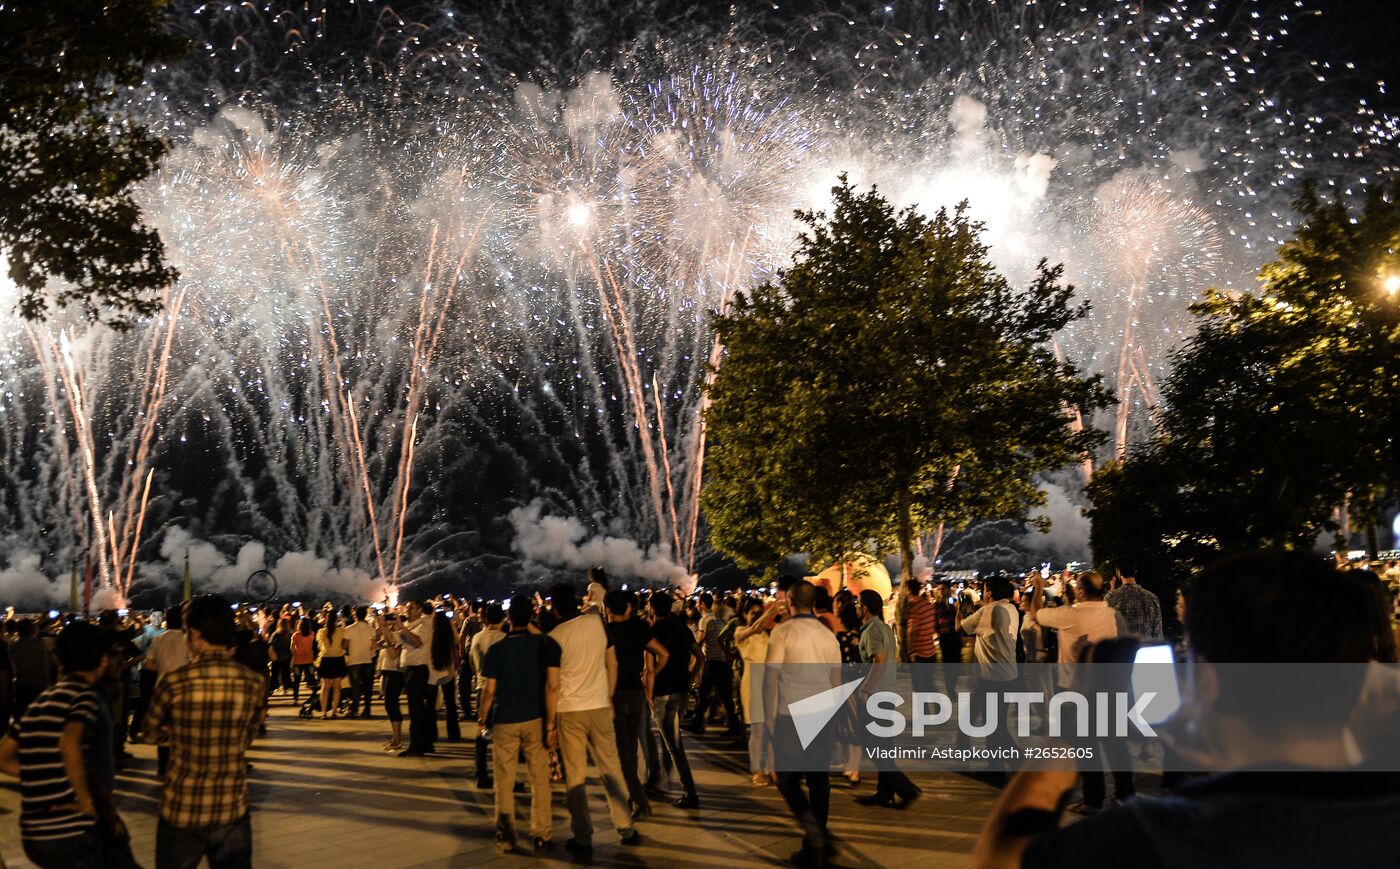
{"points": [[439, 327]]}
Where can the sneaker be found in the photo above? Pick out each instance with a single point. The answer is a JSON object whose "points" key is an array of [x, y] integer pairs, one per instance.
{"points": [[629, 837], [578, 849], [689, 801], [504, 844]]}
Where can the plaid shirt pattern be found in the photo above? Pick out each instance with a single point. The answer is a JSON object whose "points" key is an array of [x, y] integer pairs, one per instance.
{"points": [[1140, 608], [207, 712]]}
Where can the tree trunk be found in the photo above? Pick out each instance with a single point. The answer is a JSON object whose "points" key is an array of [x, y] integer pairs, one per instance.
{"points": [[1373, 541], [906, 536]]}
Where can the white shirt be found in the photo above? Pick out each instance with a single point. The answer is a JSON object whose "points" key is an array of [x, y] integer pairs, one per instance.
{"points": [[1088, 621], [167, 652], [422, 654], [583, 664], [359, 644], [994, 649], [483, 641], [805, 640]]}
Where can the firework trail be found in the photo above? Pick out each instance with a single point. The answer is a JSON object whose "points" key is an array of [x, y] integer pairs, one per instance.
{"points": [[435, 272]]}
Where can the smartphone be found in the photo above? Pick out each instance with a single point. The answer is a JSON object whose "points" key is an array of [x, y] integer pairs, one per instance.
{"points": [[1154, 671], [1045, 570]]}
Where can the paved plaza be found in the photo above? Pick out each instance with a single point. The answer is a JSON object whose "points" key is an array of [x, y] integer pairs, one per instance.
{"points": [[324, 794]]}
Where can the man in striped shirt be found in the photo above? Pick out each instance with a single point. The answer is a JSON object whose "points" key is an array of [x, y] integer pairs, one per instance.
{"points": [[208, 712], [49, 750]]}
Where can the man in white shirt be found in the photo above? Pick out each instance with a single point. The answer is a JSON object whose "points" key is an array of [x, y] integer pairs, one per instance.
{"points": [[168, 652], [359, 660], [994, 626], [804, 659], [416, 636], [1088, 621], [580, 676], [494, 616]]}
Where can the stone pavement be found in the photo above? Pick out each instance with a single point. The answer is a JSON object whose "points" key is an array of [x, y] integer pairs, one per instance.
{"points": [[324, 794]]}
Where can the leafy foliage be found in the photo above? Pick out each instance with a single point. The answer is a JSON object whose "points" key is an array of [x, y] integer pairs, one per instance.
{"points": [[70, 158], [890, 380], [1280, 408]]}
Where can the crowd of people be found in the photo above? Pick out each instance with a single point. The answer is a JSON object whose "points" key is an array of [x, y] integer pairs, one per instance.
{"points": [[599, 675]]}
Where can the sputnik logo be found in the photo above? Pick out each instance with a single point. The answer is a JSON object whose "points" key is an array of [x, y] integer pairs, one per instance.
{"points": [[811, 714]]}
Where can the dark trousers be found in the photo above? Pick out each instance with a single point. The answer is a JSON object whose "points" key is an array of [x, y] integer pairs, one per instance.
{"points": [[280, 674], [1114, 751], [667, 712], [811, 806], [228, 846], [422, 714], [143, 700], [73, 852], [890, 780], [361, 687], [391, 686], [24, 695], [718, 677], [449, 711], [629, 723]]}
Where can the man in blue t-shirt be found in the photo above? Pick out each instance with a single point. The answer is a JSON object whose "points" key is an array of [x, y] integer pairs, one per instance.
{"points": [[512, 701]]}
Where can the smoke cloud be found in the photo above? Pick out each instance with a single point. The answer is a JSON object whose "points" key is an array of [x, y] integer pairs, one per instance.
{"points": [[557, 541], [1068, 537], [24, 585], [296, 572]]}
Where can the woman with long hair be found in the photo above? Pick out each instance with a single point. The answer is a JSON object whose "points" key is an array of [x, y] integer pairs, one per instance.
{"points": [[442, 672], [333, 647], [303, 656]]}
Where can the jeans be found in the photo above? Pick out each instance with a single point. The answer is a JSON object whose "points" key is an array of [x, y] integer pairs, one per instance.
{"points": [[74, 852], [228, 846], [391, 686], [511, 740], [422, 714], [630, 722], [582, 734], [361, 686], [307, 672], [667, 711], [811, 807], [719, 677]]}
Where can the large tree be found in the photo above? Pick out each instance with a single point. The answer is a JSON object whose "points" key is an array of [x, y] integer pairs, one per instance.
{"points": [[889, 381], [69, 226], [1283, 405]]}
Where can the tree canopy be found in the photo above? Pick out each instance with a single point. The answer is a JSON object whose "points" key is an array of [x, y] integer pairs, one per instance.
{"points": [[889, 381], [1282, 407], [69, 227]]}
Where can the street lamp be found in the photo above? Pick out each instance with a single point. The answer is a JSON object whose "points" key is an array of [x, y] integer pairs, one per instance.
{"points": [[1391, 283]]}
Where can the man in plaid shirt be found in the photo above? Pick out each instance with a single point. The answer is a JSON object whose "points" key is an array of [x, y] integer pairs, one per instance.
{"points": [[207, 712]]}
